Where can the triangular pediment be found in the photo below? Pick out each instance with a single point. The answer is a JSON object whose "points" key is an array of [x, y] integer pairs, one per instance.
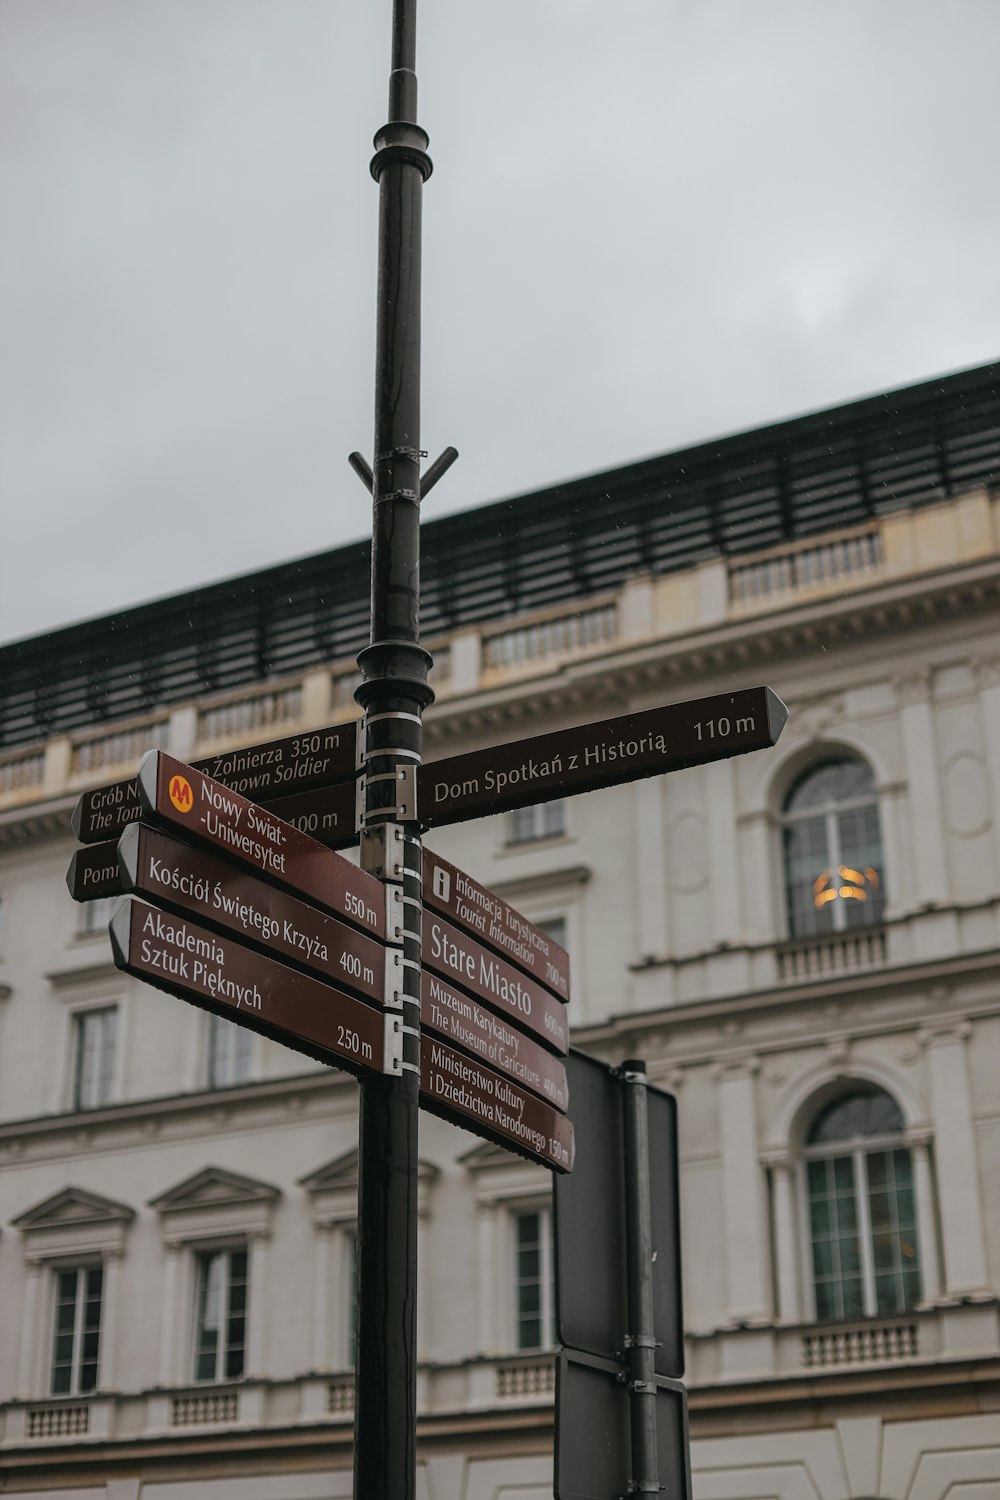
{"points": [[342, 1173], [214, 1187], [486, 1155], [72, 1208]]}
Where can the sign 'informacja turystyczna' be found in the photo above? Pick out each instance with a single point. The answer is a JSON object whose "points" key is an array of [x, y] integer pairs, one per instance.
{"points": [[486, 916], [609, 752], [196, 964], [202, 811], [264, 773]]}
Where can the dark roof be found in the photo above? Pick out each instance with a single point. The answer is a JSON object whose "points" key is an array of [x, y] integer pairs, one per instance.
{"points": [[794, 479]]}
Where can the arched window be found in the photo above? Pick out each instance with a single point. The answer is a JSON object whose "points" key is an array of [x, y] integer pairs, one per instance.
{"points": [[833, 849], [862, 1212]]}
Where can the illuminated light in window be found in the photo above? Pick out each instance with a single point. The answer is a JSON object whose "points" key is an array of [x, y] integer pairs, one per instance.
{"points": [[824, 892]]}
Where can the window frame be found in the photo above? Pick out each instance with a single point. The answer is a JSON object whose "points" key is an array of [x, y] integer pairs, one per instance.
{"points": [[204, 1256], [240, 1048], [80, 1019], [546, 1315], [856, 1149], [829, 813], [528, 825], [79, 1269]]}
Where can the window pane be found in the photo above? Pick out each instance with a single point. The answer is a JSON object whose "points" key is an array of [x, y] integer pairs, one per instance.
{"points": [[533, 1275], [857, 1116], [76, 1332], [95, 1058]]}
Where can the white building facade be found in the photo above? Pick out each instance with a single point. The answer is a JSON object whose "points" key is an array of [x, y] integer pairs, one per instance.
{"points": [[803, 943]]}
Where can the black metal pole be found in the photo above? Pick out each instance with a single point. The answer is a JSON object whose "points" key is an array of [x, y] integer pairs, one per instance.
{"points": [[393, 693], [640, 1339]]}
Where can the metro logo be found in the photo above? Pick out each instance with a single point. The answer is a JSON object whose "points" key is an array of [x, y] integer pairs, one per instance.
{"points": [[180, 794]]}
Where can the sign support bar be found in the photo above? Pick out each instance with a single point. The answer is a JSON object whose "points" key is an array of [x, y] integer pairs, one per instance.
{"points": [[393, 692], [641, 1339]]}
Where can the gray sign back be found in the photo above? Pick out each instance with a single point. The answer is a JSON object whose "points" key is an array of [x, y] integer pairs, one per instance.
{"points": [[591, 1281], [592, 1432]]}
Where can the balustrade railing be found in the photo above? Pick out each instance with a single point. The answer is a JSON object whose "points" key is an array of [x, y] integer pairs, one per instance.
{"points": [[851, 557]]}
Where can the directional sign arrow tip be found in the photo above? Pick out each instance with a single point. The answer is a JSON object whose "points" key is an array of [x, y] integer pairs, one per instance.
{"points": [[146, 778], [777, 714], [128, 854], [118, 929]]}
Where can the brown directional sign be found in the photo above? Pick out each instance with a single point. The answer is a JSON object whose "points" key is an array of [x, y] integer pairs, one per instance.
{"points": [[309, 1015], [172, 874], [93, 872], [201, 810], [512, 994], [606, 753], [470, 1094], [481, 912], [461, 1020], [264, 773]]}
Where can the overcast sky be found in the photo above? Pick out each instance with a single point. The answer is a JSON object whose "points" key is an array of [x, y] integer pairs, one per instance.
{"points": [[650, 222]]}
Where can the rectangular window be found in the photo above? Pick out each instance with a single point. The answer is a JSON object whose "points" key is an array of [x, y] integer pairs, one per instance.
{"points": [[545, 820], [94, 1058], [76, 1336], [534, 1275], [220, 1337], [229, 1053], [556, 929], [95, 915]]}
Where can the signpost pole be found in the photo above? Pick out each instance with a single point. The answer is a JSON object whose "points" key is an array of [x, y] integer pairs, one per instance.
{"points": [[640, 1339], [393, 693]]}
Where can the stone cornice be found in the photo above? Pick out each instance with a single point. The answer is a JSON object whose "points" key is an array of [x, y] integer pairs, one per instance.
{"points": [[905, 978], [143, 1113]]}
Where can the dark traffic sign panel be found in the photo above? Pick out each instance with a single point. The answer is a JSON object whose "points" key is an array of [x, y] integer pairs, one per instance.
{"points": [[593, 1458], [200, 809], [261, 772], [591, 1260], [457, 1018], [472, 1095], [172, 874], [307, 1014], [484, 975], [93, 872], [481, 912], [605, 753]]}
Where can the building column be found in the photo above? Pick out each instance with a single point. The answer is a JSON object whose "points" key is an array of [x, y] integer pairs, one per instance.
{"points": [[111, 1294], [762, 877], [489, 1272], [257, 1303], [987, 675], [170, 1322], [30, 1332], [724, 875], [927, 1246], [651, 868], [748, 1280], [321, 1353], [785, 1252], [916, 718], [962, 1236]]}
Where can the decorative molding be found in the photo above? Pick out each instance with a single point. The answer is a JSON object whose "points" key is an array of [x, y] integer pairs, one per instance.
{"points": [[913, 686]]}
